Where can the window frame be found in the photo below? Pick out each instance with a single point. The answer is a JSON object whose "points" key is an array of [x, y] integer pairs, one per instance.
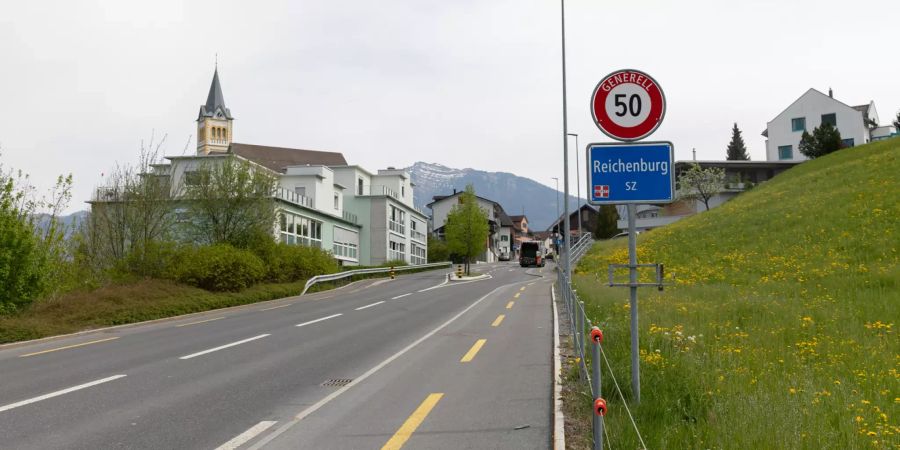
{"points": [[795, 121], [789, 148]]}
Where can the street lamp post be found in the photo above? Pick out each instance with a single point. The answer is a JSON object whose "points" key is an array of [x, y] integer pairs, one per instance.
{"points": [[577, 183], [567, 244]]}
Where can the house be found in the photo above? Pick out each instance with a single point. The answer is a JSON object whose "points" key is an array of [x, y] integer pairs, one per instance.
{"points": [[740, 176], [587, 214], [857, 124], [382, 202], [501, 227], [321, 201]]}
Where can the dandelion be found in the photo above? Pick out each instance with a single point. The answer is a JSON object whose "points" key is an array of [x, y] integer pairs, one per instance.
{"points": [[792, 391]]}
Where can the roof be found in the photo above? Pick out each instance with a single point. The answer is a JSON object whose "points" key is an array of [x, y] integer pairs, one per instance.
{"points": [[438, 198], [215, 99], [863, 109], [505, 220], [518, 218], [739, 164], [277, 158]]}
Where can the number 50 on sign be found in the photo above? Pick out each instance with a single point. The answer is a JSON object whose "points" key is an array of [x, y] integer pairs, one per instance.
{"points": [[628, 105]]}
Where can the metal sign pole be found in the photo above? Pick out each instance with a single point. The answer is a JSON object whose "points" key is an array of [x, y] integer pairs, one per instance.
{"points": [[633, 279]]}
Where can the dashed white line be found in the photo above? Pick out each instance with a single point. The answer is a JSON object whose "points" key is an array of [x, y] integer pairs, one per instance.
{"points": [[401, 296], [221, 347], [369, 306], [58, 393], [318, 320], [246, 436]]}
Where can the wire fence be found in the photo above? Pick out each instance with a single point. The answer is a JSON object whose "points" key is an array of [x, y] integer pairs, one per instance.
{"points": [[584, 332]]}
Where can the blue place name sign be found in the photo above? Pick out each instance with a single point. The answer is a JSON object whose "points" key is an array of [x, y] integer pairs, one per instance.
{"points": [[631, 173]]}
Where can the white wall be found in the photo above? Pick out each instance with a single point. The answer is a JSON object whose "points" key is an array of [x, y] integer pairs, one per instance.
{"points": [[441, 208], [319, 183], [812, 105]]}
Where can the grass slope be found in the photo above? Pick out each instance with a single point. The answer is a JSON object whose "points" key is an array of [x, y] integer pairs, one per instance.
{"points": [[781, 330]]}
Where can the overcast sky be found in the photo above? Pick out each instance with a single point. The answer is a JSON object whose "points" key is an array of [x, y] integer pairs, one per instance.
{"points": [[463, 83]]}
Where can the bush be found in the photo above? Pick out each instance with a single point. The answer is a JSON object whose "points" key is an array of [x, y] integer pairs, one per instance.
{"points": [[287, 263], [218, 267]]}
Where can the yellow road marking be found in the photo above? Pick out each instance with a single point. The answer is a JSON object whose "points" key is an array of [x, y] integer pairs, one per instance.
{"points": [[199, 321], [68, 347], [276, 307], [498, 320], [409, 427], [510, 304], [473, 351], [517, 295], [522, 289]]}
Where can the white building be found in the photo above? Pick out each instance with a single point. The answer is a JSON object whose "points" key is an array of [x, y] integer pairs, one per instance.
{"points": [[500, 226], [857, 124]]}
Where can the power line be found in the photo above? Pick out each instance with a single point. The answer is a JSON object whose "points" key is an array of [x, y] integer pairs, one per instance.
{"points": [[624, 403]]}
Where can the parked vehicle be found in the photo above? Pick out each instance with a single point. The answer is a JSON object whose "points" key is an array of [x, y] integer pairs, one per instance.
{"points": [[532, 254], [504, 256]]}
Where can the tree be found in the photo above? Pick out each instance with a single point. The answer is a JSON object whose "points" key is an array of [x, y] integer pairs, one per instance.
{"points": [[467, 229], [701, 184], [230, 201], [824, 139], [437, 250], [737, 151], [897, 122], [607, 222]]}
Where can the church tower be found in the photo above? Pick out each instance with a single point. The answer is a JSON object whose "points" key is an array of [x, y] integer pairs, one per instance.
{"points": [[214, 121]]}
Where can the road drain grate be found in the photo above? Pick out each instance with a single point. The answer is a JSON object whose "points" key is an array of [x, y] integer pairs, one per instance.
{"points": [[337, 382]]}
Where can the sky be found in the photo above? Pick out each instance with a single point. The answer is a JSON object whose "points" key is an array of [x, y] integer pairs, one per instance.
{"points": [[464, 83]]}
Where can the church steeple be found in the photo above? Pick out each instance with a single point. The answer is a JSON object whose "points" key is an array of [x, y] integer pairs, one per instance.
{"points": [[214, 121]]}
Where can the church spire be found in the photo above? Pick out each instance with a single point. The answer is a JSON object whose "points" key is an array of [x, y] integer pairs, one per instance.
{"points": [[214, 123]]}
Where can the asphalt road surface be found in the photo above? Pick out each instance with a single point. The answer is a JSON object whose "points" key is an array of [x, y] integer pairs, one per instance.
{"points": [[408, 363]]}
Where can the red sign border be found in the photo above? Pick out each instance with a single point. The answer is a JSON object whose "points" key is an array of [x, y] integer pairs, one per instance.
{"points": [[629, 134]]}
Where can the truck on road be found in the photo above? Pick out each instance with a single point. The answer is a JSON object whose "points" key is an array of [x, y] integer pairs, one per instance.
{"points": [[531, 254]]}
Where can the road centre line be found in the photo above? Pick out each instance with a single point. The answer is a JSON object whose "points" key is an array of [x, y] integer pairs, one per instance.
{"points": [[498, 320], [510, 304], [522, 289], [412, 423], [401, 296], [199, 321], [276, 307], [369, 306], [318, 405], [470, 355], [60, 392], [222, 347], [68, 347], [244, 437], [517, 295], [319, 320]]}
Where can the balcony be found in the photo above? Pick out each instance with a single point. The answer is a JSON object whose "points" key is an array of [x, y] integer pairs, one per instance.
{"points": [[350, 217], [418, 236], [397, 227], [294, 198], [380, 190]]}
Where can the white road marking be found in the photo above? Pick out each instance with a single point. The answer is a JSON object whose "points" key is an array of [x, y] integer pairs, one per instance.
{"points": [[319, 320], [244, 437], [306, 412], [276, 307], [401, 296], [58, 393], [221, 347], [510, 270], [369, 306]]}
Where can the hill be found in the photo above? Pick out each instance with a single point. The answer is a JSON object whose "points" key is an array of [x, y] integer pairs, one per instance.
{"points": [[783, 320], [516, 194]]}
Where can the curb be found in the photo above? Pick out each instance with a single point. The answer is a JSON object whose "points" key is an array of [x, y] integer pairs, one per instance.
{"points": [[559, 419], [477, 278]]}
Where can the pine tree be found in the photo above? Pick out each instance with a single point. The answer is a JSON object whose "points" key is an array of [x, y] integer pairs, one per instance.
{"points": [[897, 122], [824, 139], [737, 151]]}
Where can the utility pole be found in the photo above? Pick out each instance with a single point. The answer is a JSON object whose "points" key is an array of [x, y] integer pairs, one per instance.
{"points": [[577, 183], [565, 141], [558, 218]]}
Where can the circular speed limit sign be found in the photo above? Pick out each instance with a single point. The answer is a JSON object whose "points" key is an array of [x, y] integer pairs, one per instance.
{"points": [[628, 105]]}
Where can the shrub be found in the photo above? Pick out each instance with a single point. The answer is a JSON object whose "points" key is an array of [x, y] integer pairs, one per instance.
{"points": [[287, 263], [218, 267]]}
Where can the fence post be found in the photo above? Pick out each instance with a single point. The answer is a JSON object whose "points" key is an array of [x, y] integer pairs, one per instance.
{"points": [[596, 339]]}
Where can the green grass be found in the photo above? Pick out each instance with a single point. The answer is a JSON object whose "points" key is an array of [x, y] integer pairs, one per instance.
{"points": [[781, 329], [140, 300]]}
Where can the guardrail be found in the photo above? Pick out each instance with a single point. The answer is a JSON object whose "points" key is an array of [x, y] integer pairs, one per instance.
{"points": [[341, 275]]}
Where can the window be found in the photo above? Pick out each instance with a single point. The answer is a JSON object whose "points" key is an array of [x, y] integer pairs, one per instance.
{"points": [[192, 178], [504, 238], [337, 201], [846, 143], [403, 191], [359, 186], [300, 190], [829, 119], [300, 230], [798, 124], [785, 152]]}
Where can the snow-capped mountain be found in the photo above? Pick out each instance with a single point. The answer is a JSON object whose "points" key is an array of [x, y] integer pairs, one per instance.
{"points": [[516, 194]]}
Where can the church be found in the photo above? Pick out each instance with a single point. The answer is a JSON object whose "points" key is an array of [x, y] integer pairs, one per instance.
{"points": [[361, 217]]}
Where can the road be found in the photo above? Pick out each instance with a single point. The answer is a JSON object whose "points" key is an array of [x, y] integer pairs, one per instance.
{"points": [[412, 362]]}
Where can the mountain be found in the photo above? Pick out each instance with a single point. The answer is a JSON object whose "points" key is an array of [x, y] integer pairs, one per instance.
{"points": [[513, 192], [68, 222]]}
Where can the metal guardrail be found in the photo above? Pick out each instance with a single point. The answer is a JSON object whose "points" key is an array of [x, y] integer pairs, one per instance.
{"points": [[341, 275]]}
